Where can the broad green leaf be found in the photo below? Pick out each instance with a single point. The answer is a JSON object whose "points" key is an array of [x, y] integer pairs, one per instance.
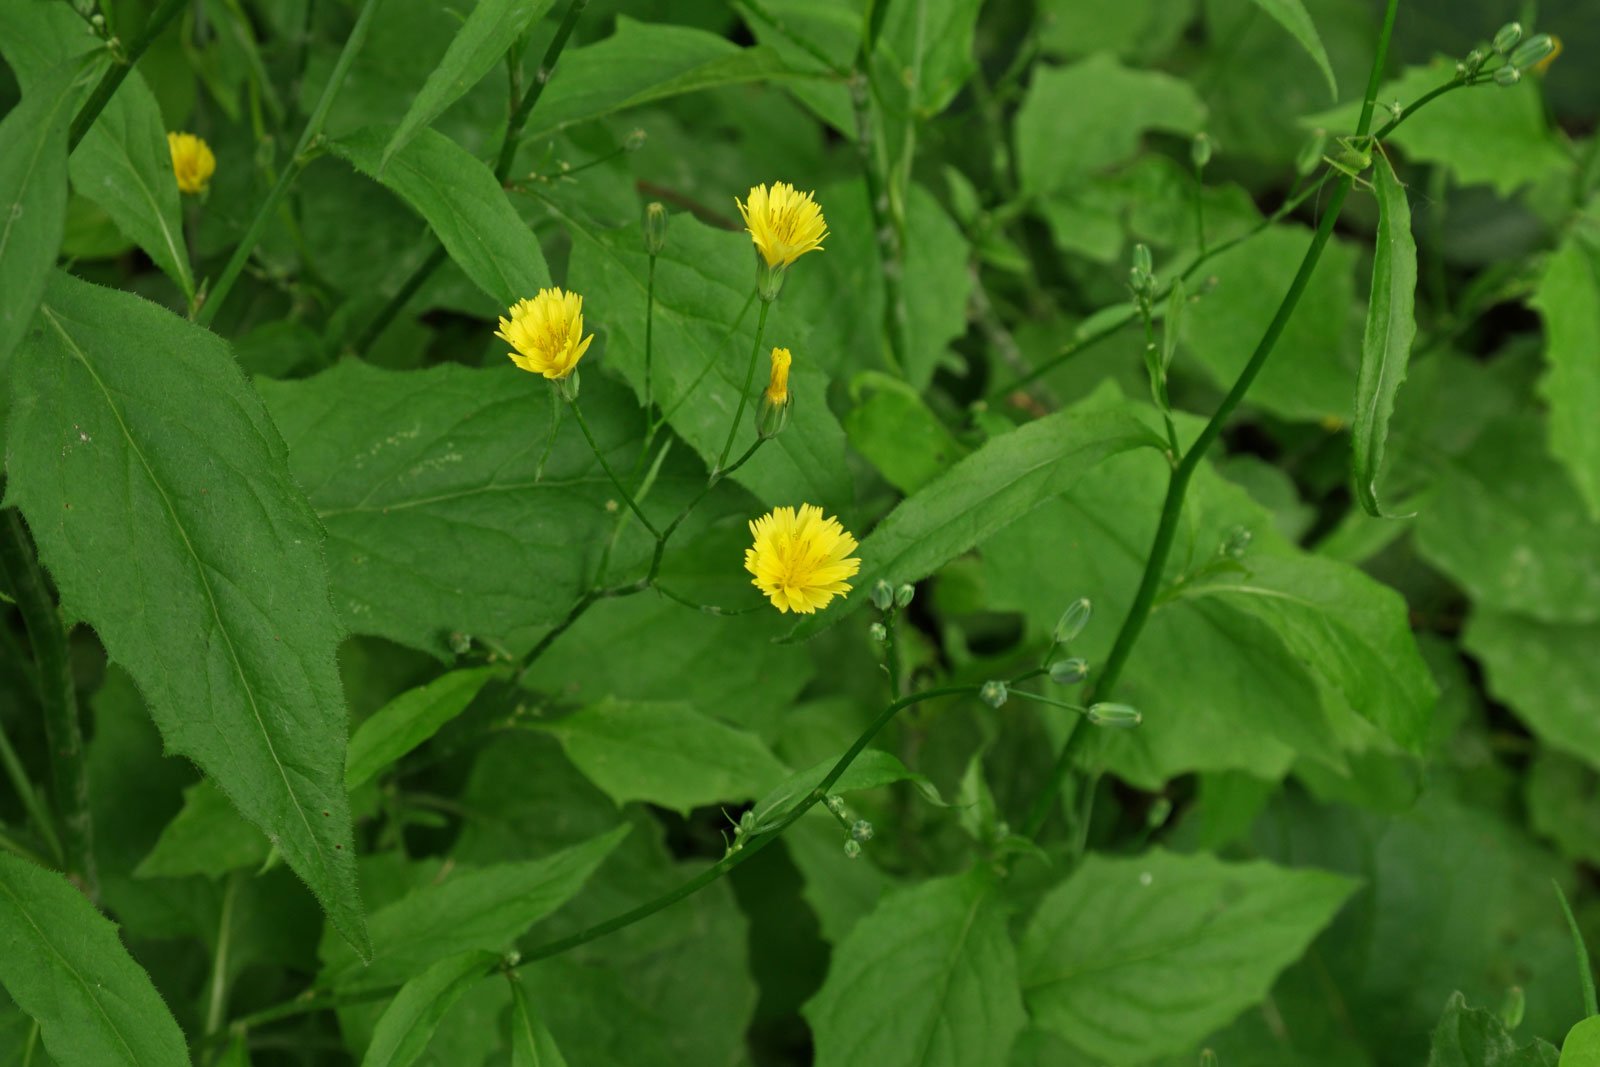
{"points": [[1569, 302], [981, 495], [928, 48], [1581, 1047], [408, 720], [63, 963], [1546, 672], [483, 908], [642, 63], [892, 426], [33, 201], [1080, 119], [208, 837], [413, 1016], [426, 484], [1473, 1037], [1292, 16], [466, 208], [1139, 29], [1308, 377], [705, 321], [134, 438], [1131, 958], [928, 979], [1507, 525], [870, 770], [1563, 799], [531, 1043], [483, 39], [125, 166], [1391, 327], [666, 754]]}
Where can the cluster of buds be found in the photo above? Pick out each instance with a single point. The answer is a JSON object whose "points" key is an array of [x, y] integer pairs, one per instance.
{"points": [[858, 831], [1142, 275], [1517, 53]]}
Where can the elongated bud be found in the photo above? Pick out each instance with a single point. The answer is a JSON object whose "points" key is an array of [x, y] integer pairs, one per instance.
{"points": [[1069, 671], [1507, 37], [1072, 621], [861, 831], [655, 227], [567, 387], [773, 413], [852, 849], [1141, 277], [903, 596], [1533, 51], [1200, 150], [769, 279], [993, 693], [1507, 76], [1514, 1008], [882, 595], [1474, 62], [1158, 813], [1115, 716]]}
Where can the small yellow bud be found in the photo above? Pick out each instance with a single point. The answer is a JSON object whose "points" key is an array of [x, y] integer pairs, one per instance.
{"points": [[773, 414], [192, 162], [778, 383]]}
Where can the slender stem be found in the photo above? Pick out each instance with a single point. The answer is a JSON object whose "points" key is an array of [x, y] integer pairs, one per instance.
{"points": [[1585, 970], [58, 698], [313, 127], [1200, 208], [744, 394], [891, 656], [649, 349], [111, 80], [583, 424], [704, 609], [217, 1001], [884, 223], [711, 483], [33, 801], [397, 303], [550, 438]]}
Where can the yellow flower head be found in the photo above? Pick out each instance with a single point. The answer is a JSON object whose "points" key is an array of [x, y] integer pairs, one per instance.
{"points": [[784, 223], [547, 333], [778, 384], [192, 162], [800, 561]]}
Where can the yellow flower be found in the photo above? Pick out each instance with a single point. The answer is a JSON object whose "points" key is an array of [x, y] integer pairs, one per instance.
{"points": [[800, 561], [784, 223], [547, 333], [192, 162], [778, 384]]}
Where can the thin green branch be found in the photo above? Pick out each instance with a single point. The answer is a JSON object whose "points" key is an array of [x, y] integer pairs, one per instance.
{"points": [[33, 800], [111, 80], [744, 394], [583, 424]]}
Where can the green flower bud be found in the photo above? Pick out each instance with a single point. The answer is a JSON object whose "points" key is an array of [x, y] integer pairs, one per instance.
{"points": [[1507, 37], [460, 643], [879, 632], [1474, 61], [1515, 1006], [567, 388], [771, 417], [1532, 51], [655, 227], [1072, 621], [1311, 152], [1069, 671], [634, 140], [1507, 76], [882, 595], [835, 803], [1159, 812], [993, 693], [1200, 150], [1238, 542], [769, 279], [852, 849], [903, 595], [1115, 716], [1208, 1058], [861, 831]]}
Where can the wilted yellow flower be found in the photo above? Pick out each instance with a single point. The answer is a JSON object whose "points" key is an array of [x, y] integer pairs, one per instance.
{"points": [[547, 333], [800, 560], [192, 162], [783, 222], [778, 383]]}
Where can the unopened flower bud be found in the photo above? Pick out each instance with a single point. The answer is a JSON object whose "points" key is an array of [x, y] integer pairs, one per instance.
{"points": [[1069, 671], [879, 632], [852, 849], [1533, 51], [1114, 716], [634, 141], [835, 803], [1200, 150], [1507, 37], [993, 693], [1474, 61], [655, 227], [1208, 1058], [769, 279], [1514, 1008], [861, 831], [773, 413], [1072, 621], [1158, 813], [882, 595], [904, 595], [567, 386], [1311, 152], [1238, 542], [1507, 76], [1141, 277], [460, 643]]}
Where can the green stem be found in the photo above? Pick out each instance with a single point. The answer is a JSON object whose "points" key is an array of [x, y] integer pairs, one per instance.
{"points": [[17, 848], [397, 303], [704, 609], [649, 351], [111, 80], [33, 801], [711, 483], [1200, 208], [891, 657], [57, 695], [319, 115], [1585, 970], [583, 425], [890, 235], [744, 394], [217, 1001]]}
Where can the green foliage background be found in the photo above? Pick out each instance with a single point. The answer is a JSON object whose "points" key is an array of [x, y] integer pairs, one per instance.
{"points": [[366, 756]]}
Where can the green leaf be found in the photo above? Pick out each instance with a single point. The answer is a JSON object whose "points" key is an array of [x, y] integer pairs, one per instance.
{"points": [[124, 165], [409, 1022], [1131, 958], [531, 1043], [892, 426], [1563, 801], [425, 482], [928, 979], [408, 720], [666, 754], [1507, 525], [1569, 302], [984, 493], [642, 63], [33, 202], [63, 964], [135, 439], [207, 837], [1546, 673], [1083, 118], [1473, 1037], [1391, 327], [484, 908], [1581, 1048], [467, 209], [1292, 16], [483, 39], [872, 769]]}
